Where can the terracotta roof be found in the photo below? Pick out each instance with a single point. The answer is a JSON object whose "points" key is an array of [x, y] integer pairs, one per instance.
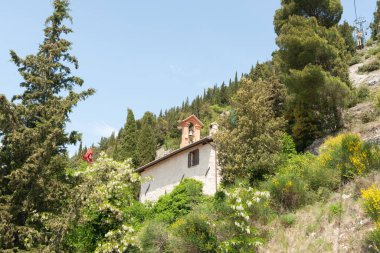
{"points": [[192, 118], [201, 141]]}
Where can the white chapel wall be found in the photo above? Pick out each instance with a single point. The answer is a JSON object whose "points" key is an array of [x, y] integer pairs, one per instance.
{"points": [[168, 173]]}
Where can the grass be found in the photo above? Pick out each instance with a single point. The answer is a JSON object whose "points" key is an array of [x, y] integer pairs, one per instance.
{"points": [[288, 220]]}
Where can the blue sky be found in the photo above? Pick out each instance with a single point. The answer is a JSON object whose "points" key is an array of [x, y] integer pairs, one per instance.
{"points": [[147, 55]]}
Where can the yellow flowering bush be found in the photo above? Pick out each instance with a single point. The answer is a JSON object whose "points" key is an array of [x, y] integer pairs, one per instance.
{"points": [[349, 154], [371, 197]]}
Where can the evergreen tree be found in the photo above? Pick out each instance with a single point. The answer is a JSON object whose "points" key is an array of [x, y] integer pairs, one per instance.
{"points": [[375, 25], [147, 141], [127, 140], [346, 30], [313, 59], [327, 12], [249, 143], [34, 141]]}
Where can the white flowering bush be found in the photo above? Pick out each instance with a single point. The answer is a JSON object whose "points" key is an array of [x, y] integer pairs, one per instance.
{"points": [[120, 240], [247, 206], [107, 189]]}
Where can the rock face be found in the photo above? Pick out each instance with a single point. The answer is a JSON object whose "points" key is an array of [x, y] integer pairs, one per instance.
{"points": [[371, 79]]}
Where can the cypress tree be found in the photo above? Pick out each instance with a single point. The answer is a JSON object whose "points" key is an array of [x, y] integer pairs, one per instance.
{"points": [[147, 142], [127, 140], [34, 140]]}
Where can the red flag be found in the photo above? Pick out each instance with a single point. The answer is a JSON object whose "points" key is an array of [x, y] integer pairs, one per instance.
{"points": [[88, 155]]}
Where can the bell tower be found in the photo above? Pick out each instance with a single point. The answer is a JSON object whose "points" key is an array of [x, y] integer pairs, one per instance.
{"points": [[191, 130]]}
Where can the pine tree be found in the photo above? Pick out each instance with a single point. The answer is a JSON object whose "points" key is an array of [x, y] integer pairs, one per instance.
{"points": [[127, 140], [147, 141], [327, 12], [34, 141], [313, 59]]}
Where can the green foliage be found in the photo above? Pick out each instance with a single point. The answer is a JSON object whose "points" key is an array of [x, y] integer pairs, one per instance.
{"points": [[288, 220], [326, 12], [377, 101], [33, 158], [127, 140], [355, 60], [249, 149], [316, 104], [243, 206], [313, 58], [373, 241], [363, 93], [179, 202], [288, 145], [371, 197], [376, 23], [347, 31], [154, 237], [288, 190], [369, 67], [147, 140], [335, 210], [192, 233], [299, 181], [349, 155], [107, 189]]}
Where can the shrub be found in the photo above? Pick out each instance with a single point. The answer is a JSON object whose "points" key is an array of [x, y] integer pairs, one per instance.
{"points": [[348, 154], [244, 206], [153, 237], [377, 101], [369, 42], [369, 116], [371, 197], [179, 202], [288, 220], [106, 190], [288, 145], [335, 210], [192, 233], [355, 60], [288, 189], [372, 66], [373, 241], [362, 93]]}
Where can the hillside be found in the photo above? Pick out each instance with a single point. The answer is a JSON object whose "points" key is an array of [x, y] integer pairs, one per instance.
{"points": [[338, 223]]}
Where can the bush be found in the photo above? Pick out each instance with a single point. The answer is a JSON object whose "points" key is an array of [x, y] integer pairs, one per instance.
{"points": [[192, 233], [335, 210], [348, 154], [288, 189], [179, 202], [372, 66], [369, 116], [288, 220], [362, 93], [377, 101], [373, 241], [371, 197], [355, 60], [153, 237], [301, 179]]}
